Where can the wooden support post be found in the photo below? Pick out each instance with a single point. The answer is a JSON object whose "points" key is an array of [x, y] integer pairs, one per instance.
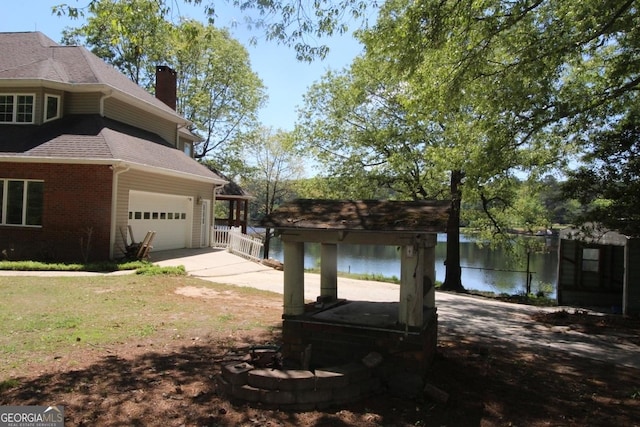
{"points": [[329, 270], [293, 278], [230, 221], [411, 277], [238, 218], [245, 216]]}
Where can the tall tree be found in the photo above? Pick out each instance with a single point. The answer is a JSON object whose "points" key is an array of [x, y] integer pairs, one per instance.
{"points": [[513, 83], [275, 164], [368, 126], [353, 122], [133, 36], [217, 89]]}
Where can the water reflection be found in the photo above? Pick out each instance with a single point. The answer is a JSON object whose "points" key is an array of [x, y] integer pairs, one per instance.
{"points": [[482, 268]]}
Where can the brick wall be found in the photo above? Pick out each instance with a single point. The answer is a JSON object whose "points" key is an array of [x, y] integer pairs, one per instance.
{"points": [[77, 198]]}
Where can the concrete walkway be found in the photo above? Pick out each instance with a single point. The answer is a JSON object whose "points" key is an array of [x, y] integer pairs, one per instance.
{"points": [[458, 315]]}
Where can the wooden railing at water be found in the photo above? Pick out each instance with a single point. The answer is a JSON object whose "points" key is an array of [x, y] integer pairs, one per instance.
{"points": [[234, 241]]}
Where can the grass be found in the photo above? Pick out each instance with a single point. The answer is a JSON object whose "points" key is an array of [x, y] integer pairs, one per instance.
{"points": [[105, 266], [47, 317], [141, 267], [361, 276]]}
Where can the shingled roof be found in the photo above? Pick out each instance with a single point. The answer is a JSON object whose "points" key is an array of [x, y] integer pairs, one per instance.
{"points": [[361, 215], [32, 59], [29, 56], [94, 138]]}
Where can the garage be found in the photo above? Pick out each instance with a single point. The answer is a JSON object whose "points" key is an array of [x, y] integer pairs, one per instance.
{"points": [[166, 214]]}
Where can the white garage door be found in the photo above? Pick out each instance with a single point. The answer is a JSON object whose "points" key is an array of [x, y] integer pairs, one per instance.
{"points": [[168, 215]]}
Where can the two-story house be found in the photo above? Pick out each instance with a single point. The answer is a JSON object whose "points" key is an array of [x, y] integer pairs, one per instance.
{"points": [[86, 154]]}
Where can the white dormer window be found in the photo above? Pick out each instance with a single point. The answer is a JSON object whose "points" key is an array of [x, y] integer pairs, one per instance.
{"points": [[16, 108], [51, 107], [188, 149]]}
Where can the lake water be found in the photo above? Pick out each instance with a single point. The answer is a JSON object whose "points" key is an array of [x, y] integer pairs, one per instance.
{"points": [[482, 268]]}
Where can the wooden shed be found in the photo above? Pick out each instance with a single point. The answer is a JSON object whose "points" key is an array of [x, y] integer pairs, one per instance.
{"points": [[337, 329], [599, 268]]}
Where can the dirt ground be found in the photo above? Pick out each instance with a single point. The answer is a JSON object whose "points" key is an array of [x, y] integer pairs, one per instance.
{"points": [[169, 381]]}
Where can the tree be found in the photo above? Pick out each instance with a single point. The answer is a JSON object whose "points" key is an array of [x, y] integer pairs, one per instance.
{"points": [[355, 126], [376, 124], [132, 35], [608, 184], [291, 22], [513, 84], [217, 90], [274, 165]]}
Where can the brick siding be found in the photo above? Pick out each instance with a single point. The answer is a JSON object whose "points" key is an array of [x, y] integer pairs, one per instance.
{"points": [[76, 198]]}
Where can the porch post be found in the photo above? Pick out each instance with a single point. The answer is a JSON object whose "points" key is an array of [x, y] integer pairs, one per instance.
{"points": [[230, 222], [245, 214], [329, 270], [293, 278], [411, 277], [238, 218]]}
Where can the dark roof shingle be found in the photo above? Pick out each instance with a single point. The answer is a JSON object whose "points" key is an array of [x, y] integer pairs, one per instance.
{"points": [[34, 56], [92, 137]]}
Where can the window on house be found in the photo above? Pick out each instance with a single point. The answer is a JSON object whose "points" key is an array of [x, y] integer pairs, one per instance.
{"points": [[16, 108], [590, 259], [21, 202], [51, 107], [188, 149]]}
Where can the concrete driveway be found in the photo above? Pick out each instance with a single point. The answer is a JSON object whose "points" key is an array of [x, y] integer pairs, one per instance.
{"points": [[485, 319]]}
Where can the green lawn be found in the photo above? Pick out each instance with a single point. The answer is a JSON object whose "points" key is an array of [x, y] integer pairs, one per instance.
{"points": [[42, 317]]}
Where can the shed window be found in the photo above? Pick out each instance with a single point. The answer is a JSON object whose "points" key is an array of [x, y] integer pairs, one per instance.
{"points": [[21, 202], [590, 259]]}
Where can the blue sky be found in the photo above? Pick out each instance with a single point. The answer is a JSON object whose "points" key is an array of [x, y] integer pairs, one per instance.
{"points": [[286, 78]]}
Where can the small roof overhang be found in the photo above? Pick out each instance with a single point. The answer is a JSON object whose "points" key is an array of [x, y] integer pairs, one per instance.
{"points": [[594, 234]]}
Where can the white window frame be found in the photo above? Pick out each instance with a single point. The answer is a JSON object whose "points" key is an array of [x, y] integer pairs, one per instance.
{"points": [[4, 195], [14, 113], [45, 108]]}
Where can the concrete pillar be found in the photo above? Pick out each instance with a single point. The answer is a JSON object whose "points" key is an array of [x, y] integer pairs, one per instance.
{"points": [[429, 271], [329, 270], [411, 277], [293, 278]]}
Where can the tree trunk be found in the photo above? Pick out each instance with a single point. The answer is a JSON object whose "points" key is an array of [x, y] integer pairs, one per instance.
{"points": [[267, 242], [453, 271]]}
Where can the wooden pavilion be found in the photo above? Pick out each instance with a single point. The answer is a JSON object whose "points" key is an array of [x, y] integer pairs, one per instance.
{"points": [[237, 204]]}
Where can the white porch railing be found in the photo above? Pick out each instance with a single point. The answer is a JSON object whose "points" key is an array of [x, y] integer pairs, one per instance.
{"points": [[236, 242]]}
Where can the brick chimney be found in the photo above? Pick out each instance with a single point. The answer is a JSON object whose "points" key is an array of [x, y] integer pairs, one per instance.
{"points": [[166, 85]]}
